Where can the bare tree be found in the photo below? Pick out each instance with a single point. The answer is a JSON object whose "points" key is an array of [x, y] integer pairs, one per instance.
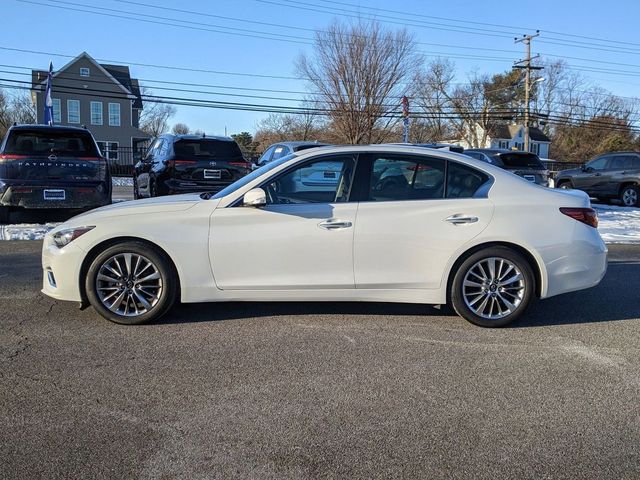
{"points": [[180, 129], [286, 127], [154, 117], [15, 108], [358, 74]]}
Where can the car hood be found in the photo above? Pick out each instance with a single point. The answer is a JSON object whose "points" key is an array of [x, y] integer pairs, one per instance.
{"points": [[170, 203]]}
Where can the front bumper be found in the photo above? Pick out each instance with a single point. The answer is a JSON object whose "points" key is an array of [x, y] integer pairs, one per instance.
{"points": [[88, 195], [61, 271]]}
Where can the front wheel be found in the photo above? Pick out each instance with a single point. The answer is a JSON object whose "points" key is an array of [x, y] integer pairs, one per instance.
{"points": [[492, 287], [564, 185], [630, 196], [131, 283]]}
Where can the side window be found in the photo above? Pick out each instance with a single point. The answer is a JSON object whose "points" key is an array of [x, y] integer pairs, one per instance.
{"points": [[635, 163], [164, 149], [599, 163], [323, 180], [476, 155], [279, 152], [406, 178], [152, 149], [266, 156], [464, 181], [618, 162]]}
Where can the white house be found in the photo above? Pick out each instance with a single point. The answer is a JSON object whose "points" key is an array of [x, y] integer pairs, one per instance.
{"points": [[510, 137]]}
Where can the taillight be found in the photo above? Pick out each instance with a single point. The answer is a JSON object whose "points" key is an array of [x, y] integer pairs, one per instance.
{"points": [[240, 164], [90, 159], [173, 163], [11, 157], [588, 216]]}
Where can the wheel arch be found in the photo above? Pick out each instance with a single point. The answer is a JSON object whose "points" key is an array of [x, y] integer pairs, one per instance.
{"points": [[95, 251], [529, 257], [626, 184]]}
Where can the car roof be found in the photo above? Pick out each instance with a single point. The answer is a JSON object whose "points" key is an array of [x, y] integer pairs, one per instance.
{"points": [[301, 144], [496, 151], [198, 137], [58, 128]]}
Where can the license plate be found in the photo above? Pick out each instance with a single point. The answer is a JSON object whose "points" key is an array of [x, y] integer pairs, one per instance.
{"points": [[531, 178], [213, 174], [54, 195]]}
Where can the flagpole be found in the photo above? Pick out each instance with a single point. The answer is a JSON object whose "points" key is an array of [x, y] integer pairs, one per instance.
{"points": [[48, 101]]}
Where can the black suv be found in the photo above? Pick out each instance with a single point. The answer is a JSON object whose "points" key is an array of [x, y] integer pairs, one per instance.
{"points": [[188, 163], [526, 165], [608, 176], [45, 166]]}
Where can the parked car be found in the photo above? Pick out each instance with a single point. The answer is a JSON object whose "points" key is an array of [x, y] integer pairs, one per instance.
{"points": [[279, 150], [524, 164], [188, 163], [608, 176], [454, 231], [51, 167]]}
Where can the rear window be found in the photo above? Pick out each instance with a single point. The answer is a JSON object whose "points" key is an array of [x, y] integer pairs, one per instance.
{"points": [[521, 160], [43, 142], [204, 149]]}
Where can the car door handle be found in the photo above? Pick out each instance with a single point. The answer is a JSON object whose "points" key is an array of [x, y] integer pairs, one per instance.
{"points": [[335, 224], [460, 219]]}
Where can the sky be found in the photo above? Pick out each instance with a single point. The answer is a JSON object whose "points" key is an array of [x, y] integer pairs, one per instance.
{"points": [[236, 37]]}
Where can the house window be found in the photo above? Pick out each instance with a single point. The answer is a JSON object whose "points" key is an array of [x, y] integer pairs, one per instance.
{"points": [[73, 111], [534, 148], [503, 144], [84, 72], [109, 149], [519, 145], [57, 112], [96, 113], [114, 114]]}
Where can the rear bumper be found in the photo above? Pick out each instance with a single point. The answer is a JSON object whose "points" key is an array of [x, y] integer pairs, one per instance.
{"points": [[84, 195], [583, 267]]}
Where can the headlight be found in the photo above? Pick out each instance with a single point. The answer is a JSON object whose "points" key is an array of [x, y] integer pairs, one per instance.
{"points": [[64, 237]]}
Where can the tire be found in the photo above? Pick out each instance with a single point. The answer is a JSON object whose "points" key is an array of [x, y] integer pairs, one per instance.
{"points": [[129, 307], [487, 304], [136, 193], [152, 189], [4, 214], [565, 185], [630, 196]]}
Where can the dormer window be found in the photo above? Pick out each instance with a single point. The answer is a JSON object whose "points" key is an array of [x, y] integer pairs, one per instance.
{"points": [[84, 72]]}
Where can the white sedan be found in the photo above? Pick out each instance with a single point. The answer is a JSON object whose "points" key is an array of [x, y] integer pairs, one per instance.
{"points": [[356, 223]]}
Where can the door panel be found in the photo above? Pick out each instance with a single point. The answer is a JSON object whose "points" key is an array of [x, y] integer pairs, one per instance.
{"points": [[290, 246], [407, 244]]}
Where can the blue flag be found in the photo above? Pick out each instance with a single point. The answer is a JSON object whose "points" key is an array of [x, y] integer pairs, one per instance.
{"points": [[48, 102]]}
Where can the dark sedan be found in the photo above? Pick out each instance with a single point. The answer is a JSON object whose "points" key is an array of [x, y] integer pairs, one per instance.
{"points": [[526, 165]]}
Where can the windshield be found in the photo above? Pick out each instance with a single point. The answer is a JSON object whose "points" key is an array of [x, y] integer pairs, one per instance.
{"points": [[205, 149], [45, 142], [252, 176], [521, 160]]}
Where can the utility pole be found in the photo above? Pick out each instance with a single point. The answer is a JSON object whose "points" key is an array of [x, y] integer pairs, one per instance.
{"points": [[526, 64]]}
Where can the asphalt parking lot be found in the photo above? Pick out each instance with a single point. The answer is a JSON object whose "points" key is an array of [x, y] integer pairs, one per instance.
{"points": [[312, 390]]}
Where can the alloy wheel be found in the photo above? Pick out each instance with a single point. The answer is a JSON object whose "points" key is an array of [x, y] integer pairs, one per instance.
{"points": [[129, 284], [493, 288], [630, 197]]}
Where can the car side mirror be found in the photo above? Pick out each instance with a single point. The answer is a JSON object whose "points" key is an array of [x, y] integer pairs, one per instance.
{"points": [[587, 169], [255, 197]]}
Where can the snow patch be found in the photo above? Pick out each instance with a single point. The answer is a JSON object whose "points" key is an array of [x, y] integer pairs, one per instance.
{"points": [[618, 224], [122, 181], [25, 231]]}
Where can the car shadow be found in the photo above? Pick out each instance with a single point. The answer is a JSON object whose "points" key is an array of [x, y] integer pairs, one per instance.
{"points": [[616, 298]]}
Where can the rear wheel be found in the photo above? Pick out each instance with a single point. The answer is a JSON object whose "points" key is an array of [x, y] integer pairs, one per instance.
{"points": [[492, 287], [565, 185], [136, 193], [131, 283], [630, 196], [4, 214]]}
